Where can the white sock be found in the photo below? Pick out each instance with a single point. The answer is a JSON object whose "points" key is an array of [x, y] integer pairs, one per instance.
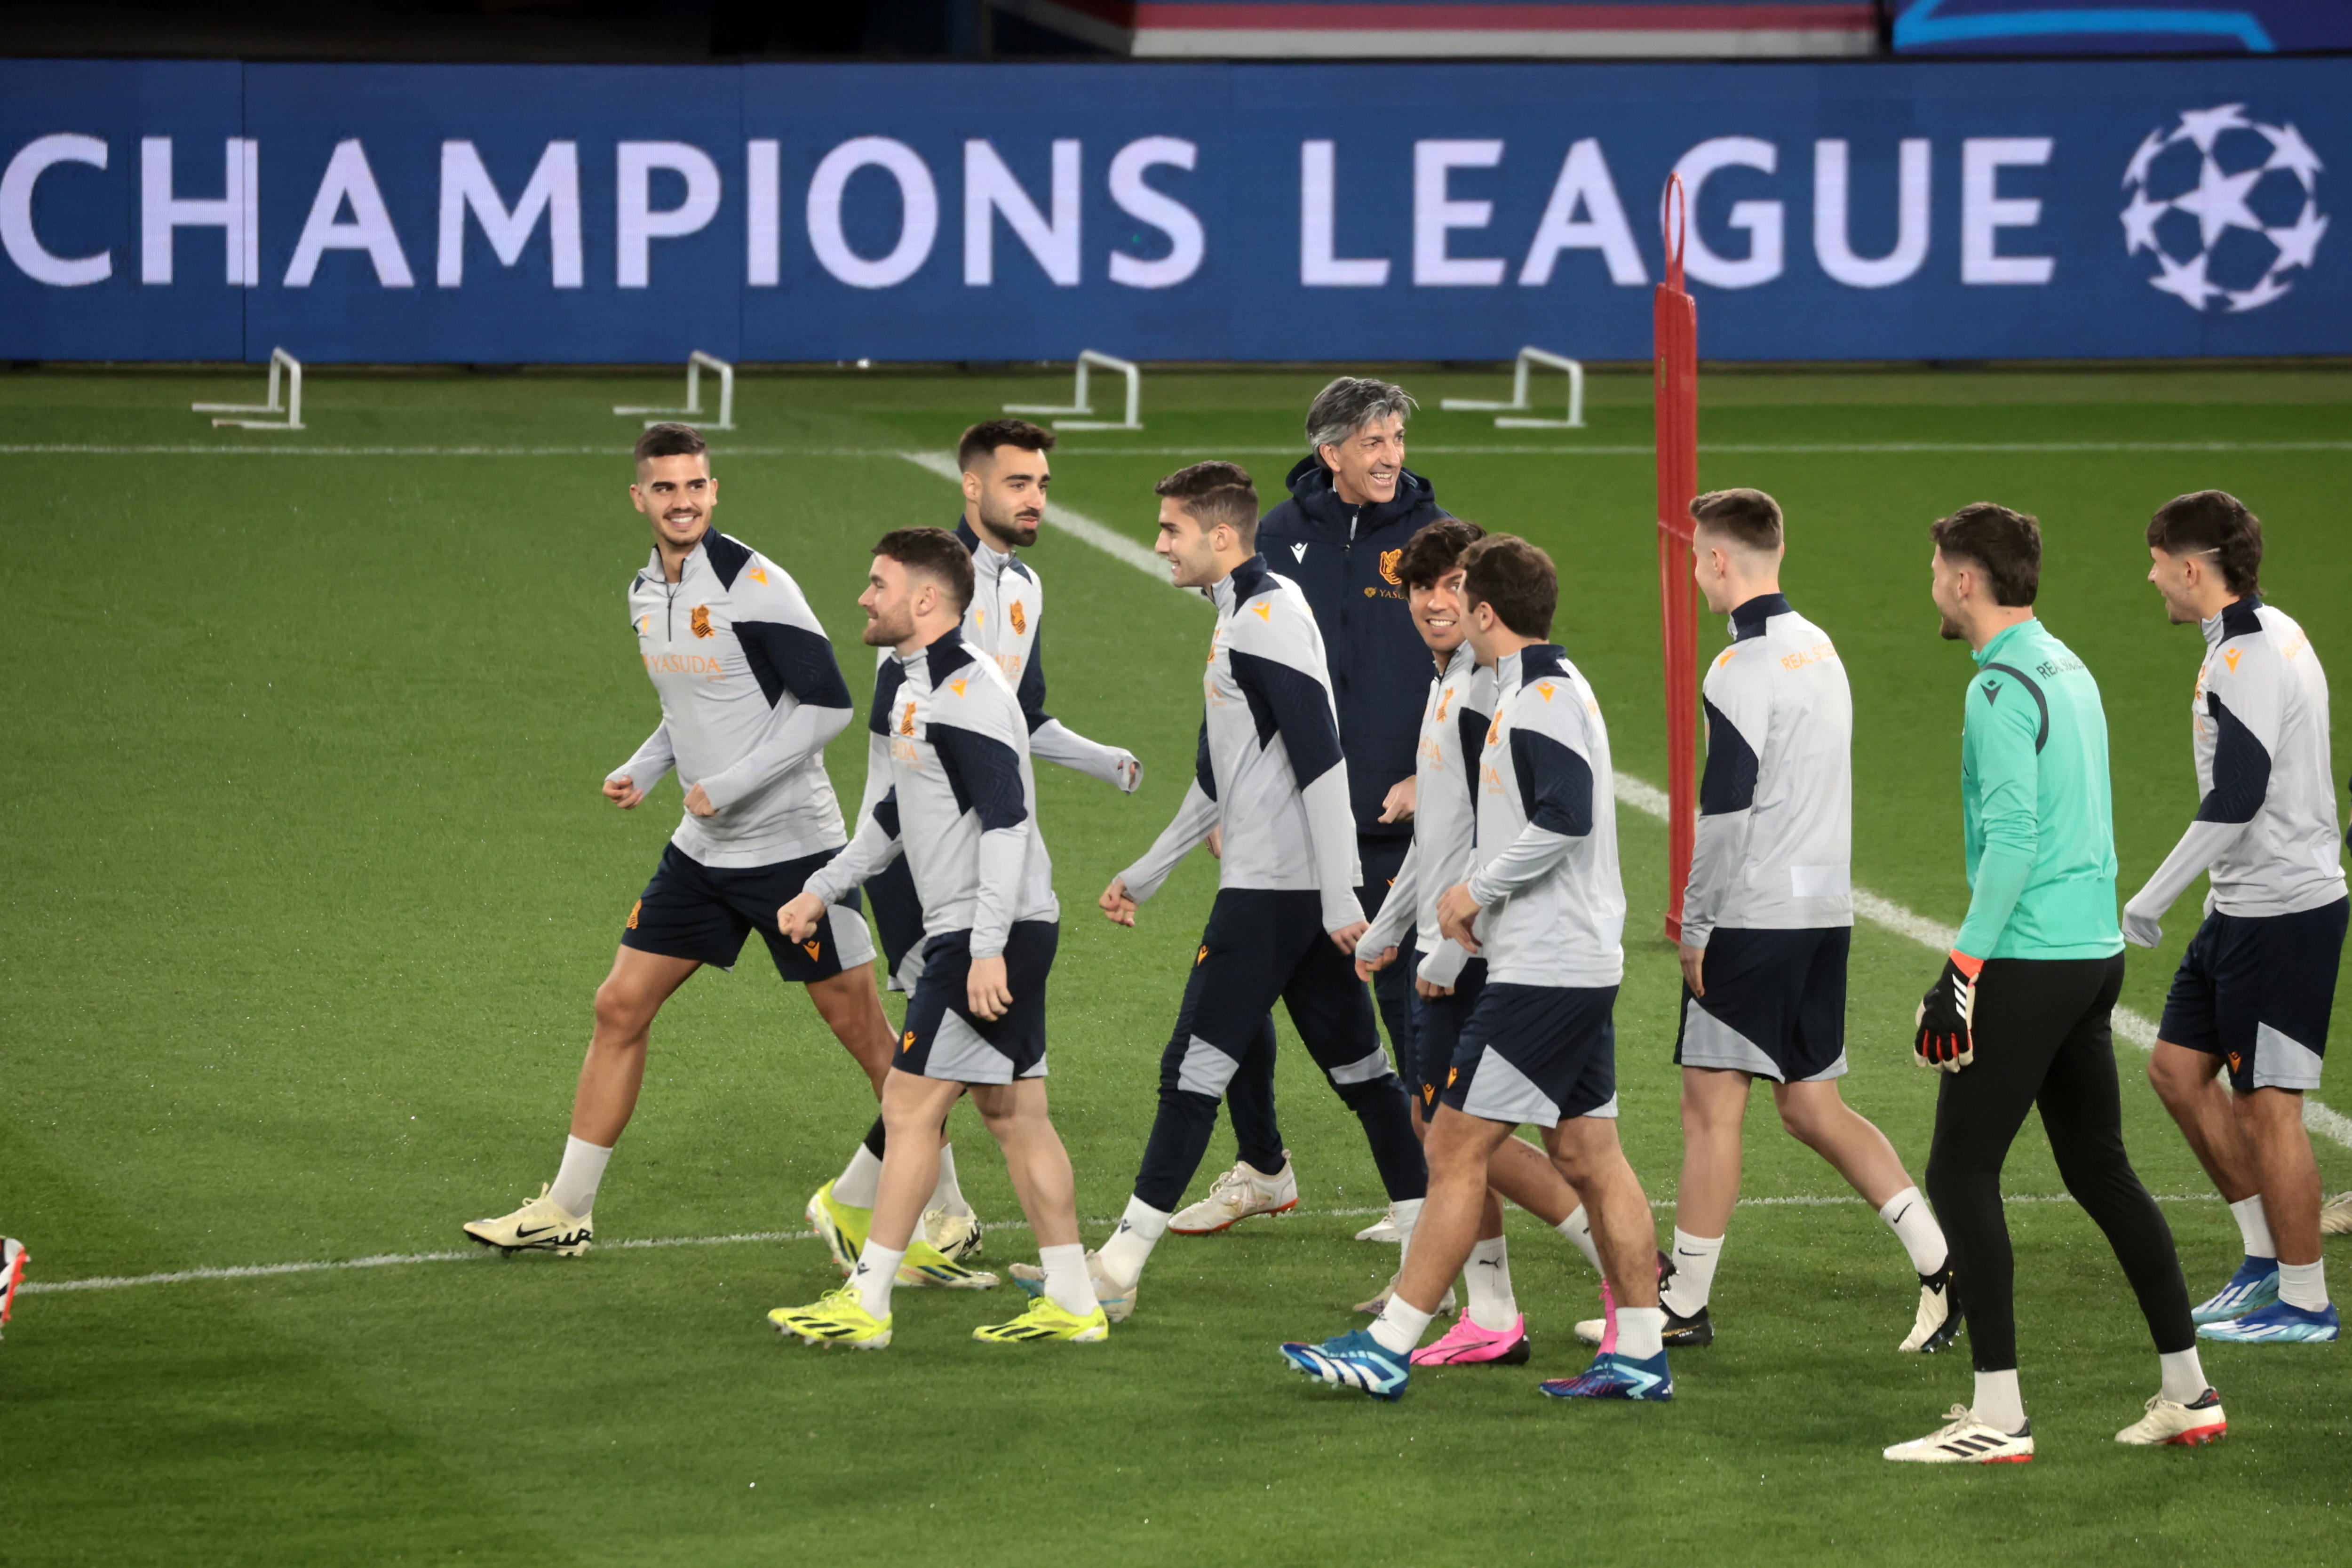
{"points": [[1400, 1326], [1067, 1281], [1998, 1404], [2184, 1380], [1639, 1330], [1695, 1260], [859, 1180], [1914, 1223], [576, 1180], [1404, 1214], [1579, 1229], [2255, 1226], [2303, 1285], [1492, 1306], [877, 1270], [947, 1195], [1140, 1230]]}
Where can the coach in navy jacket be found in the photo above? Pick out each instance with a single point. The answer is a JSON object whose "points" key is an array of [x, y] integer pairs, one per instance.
{"points": [[1343, 555]]}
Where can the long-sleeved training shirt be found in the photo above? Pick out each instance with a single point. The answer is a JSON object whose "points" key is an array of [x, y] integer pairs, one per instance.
{"points": [[1345, 558], [1774, 848], [2265, 824], [1004, 621], [2037, 820], [1268, 772], [1544, 870], [948, 732], [750, 695], [1453, 722]]}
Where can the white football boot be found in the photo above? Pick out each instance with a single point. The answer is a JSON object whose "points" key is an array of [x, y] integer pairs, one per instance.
{"points": [[2182, 1426], [541, 1225], [1965, 1440], [956, 1234], [1382, 1229], [1238, 1193]]}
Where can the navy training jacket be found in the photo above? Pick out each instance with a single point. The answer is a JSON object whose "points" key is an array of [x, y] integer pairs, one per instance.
{"points": [[1344, 559]]}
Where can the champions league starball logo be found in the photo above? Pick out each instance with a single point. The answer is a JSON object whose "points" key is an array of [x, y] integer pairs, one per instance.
{"points": [[2228, 207]]}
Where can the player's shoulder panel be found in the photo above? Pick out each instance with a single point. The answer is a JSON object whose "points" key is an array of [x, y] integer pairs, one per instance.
{"points": [[970, 690], [1272, 614], [1553, 697]]}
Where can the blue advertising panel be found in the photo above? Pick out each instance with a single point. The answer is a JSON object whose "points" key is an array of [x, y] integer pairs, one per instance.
{"points": [[1891, 210]]}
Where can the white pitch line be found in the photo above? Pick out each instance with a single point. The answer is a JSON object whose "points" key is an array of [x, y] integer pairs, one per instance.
{"points": [[641, 1244]]}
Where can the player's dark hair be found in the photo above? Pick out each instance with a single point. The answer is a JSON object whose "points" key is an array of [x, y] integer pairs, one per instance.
{"points": [[1748, 518], [2005, 545], [1437, 550], [668, 441], [1517, 579], [2213, 522], [1215, 493], [982, 439], [933, 552]]}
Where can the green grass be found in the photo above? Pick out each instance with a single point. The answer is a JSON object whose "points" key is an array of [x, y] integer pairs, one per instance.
{"points": [[311, 883]]}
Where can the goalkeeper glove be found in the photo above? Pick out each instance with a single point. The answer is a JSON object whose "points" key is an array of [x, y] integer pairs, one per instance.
{"points": [[1946, 1016]]}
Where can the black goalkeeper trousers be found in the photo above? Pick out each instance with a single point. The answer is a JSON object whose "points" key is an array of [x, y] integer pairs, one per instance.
{"points": [[2042, 1040]]}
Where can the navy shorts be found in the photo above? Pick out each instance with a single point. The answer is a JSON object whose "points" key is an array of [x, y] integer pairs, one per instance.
{"points": [[1775, 1004], [942, 1040], [1437, 1029], [1545, 1054], [2256, 991], [1264, 946], [705, 912]]}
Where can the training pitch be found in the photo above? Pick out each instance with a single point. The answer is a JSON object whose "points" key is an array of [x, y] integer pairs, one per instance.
{"points": [[312, 885]]}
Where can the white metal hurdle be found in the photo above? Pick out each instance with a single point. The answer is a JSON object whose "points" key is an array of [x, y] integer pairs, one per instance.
{"points": [[695, 363], [292, 409], [1082, 404], [1528, 358]]}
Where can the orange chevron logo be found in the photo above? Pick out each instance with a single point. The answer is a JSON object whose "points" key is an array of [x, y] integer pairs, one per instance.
{"points": [[758, 574], [1543, 690], [1201, 957], [634, 910], [2229, 657], [956, 687], [1265, 611], [906, 1042], [811, 949]]}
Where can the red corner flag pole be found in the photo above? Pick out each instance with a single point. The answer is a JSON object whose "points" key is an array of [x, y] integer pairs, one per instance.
{"points": [[1677, 363]]}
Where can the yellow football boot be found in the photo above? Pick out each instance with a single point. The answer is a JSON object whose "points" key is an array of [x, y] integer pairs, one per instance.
{"points": [[837, 1318], [1046, 1319]]}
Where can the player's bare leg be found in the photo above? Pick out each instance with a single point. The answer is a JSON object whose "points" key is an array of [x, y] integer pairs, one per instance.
{"points": [[1033, 1157], [561, 1219], [912, 1109], [851, 1005], [1590, 1160], [2270, 1122], [2189, 1084], [614, 1068]]}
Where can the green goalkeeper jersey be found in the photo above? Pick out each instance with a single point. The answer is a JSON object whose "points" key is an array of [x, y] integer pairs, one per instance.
{"points": [[2035, 805]]}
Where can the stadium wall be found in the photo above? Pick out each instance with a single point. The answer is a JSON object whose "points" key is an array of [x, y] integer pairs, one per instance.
{"points": [[1898, 210]]}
